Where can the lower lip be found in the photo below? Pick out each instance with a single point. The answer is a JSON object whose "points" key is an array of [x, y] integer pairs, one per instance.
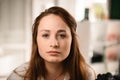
{"points": [[53, 53]]}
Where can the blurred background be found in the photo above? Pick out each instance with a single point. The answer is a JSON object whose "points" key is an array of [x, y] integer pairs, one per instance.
{"points": [[98, 30]]}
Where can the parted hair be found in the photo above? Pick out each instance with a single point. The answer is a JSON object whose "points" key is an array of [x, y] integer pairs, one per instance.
{"points": [[74, 64]]}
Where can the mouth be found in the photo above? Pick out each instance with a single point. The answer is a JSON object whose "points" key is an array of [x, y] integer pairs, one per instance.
{"points": [[53, 52]]}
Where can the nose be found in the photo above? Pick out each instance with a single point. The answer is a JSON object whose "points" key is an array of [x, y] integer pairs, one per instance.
{"points": [[54, 43]]}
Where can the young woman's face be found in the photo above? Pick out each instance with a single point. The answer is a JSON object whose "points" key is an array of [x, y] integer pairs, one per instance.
{"points": [[53, 39]]}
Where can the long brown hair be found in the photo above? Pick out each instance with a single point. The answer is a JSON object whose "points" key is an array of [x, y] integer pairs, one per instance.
{"points": [[74, 64]]}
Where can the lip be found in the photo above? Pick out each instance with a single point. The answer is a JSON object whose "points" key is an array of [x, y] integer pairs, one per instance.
{"points": [[53, 52]]}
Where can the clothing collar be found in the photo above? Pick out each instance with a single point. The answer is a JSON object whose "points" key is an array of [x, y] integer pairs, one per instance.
{"points": [[67, 77]]}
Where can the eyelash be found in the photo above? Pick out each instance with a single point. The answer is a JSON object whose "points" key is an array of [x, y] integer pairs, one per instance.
{"points": [[59, 36], [45, 35], [62, 36]]}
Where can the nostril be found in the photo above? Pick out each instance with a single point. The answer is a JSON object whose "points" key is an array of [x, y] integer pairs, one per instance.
{"points": [[55, 45]]}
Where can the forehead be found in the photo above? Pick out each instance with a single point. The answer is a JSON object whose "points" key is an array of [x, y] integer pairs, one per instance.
{"points": [[52, 21]]}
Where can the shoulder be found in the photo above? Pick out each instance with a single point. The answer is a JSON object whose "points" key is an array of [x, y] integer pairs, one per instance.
{"points": [[90, 73], [19, 72]]}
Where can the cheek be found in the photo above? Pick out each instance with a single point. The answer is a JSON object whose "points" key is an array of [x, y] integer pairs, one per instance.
{"points": [[42, 49], [66, 45], [41, 45]]}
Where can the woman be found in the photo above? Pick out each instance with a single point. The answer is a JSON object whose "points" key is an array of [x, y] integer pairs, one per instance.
{"points": [[55, 50]]}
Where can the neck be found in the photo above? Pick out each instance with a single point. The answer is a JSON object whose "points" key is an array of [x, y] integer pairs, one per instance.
{"points": [[54, 70]]}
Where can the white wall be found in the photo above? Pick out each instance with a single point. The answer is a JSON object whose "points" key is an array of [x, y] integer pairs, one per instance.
{"points": [[83, 31], [15, 34], [68, 5]]}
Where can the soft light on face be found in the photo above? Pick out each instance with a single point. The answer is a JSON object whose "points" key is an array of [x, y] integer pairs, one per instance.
{"points": [[53, 39]]}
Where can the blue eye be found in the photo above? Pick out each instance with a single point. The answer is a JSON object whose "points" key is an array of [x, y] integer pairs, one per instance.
{"points": [[45, 35]]}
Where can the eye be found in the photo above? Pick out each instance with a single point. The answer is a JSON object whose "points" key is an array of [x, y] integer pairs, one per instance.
{"points": [[62, 36], [45, 35]]}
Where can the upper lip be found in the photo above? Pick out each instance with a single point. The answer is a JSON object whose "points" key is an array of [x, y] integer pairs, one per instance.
{"points": [[53, 52]]}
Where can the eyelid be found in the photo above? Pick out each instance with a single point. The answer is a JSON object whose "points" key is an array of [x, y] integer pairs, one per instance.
{"points": [[45, 35], [62, 35]]}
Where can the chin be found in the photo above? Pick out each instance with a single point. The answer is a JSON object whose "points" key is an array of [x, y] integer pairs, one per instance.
{"points": [[54, 61]]}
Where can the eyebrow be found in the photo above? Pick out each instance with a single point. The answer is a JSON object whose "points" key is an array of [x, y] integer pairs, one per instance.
{"points": [[44, 30], [62, 30]]}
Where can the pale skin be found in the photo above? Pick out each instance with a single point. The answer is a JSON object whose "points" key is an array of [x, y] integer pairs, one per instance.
{"points": [[54, 43]]}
